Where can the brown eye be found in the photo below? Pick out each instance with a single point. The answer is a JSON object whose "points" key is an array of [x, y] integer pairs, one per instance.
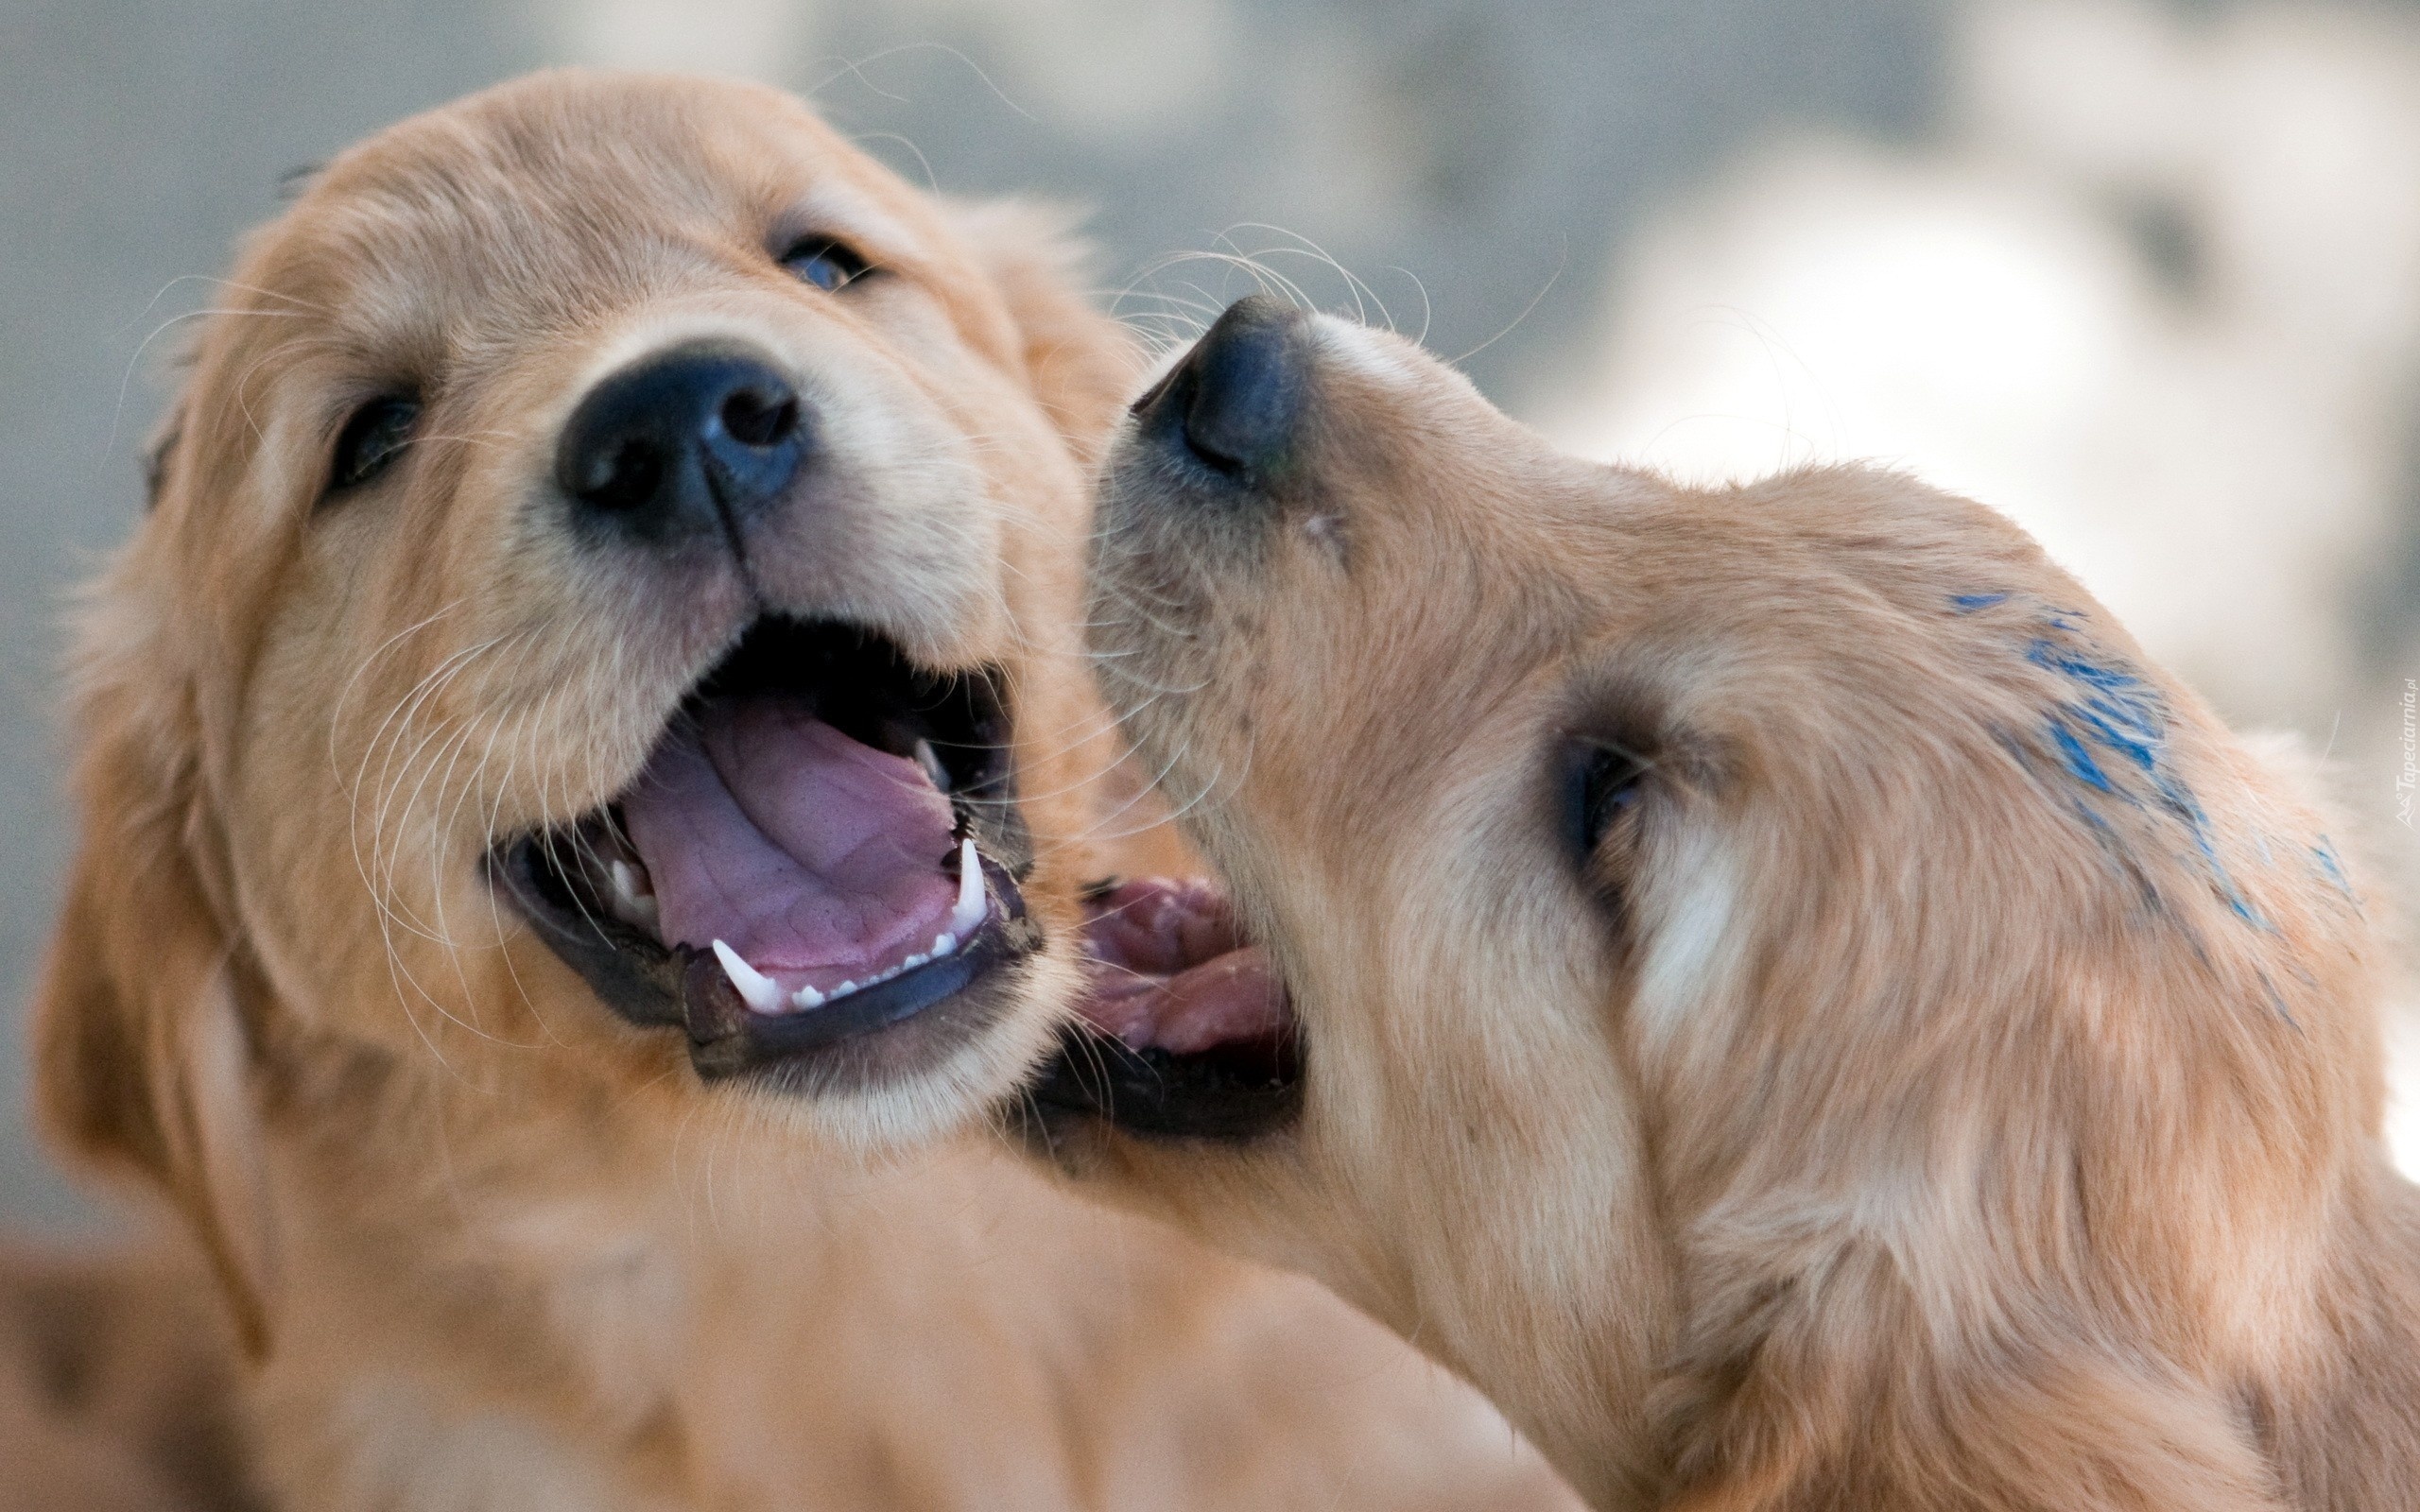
{"points": [[826, 263], [370, 441]]}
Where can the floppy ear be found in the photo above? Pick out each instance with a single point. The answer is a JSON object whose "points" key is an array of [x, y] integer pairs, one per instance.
{"points": [[1082, 365], [143, 1057]]}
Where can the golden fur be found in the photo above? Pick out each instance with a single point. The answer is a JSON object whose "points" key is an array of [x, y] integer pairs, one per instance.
{"points": [[486, 1245], [115, 1377], [1952, 1080]]}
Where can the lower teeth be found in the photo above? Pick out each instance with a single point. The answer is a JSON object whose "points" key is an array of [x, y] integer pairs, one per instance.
{"points": [[760, 992]]}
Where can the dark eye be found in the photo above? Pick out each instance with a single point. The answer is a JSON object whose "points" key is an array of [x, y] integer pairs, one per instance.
{"points": [[370, 441], [1601, 784], [826, 263]]}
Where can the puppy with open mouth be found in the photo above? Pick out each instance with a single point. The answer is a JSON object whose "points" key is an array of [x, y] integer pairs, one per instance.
{"points": [[588, 743], [1768, 981]]}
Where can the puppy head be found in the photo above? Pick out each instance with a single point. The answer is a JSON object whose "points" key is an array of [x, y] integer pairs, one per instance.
{"points": [[605, 517], [1607, 858]]}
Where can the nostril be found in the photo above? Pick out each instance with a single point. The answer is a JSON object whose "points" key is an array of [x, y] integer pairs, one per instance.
{"points": [[621, 477], [1243, 388], [1216, 444], [760, 420], [693, 441]]}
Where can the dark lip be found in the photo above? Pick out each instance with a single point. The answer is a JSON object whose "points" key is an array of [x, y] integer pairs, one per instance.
{"points": [[1232, 1093], [891, 1029], [678, 987]]}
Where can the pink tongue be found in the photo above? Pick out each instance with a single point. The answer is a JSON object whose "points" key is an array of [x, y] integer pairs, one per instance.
{"points": [[1171, 970], [812, 855]]}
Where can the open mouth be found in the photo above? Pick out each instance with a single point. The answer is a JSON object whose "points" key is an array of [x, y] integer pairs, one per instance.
{"points": [[822, 847], [1184, 1030]]}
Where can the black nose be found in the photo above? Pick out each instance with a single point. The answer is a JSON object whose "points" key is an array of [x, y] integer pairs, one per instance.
{"points": [[1239, 395], [686, 441]]}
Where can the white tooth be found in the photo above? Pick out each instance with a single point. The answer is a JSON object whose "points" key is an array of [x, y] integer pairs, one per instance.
{"points": [[844, 989], [633, 900], [912, 962], [756, 989], [942, 945], [972, 904], [806, 997], [932, 764]]}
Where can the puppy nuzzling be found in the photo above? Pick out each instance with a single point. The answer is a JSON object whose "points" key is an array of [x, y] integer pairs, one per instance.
{"points": [[590, 742], [1779, 988]]}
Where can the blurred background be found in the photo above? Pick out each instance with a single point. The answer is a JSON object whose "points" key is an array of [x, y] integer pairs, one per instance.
{"points": [[2145, 274]]}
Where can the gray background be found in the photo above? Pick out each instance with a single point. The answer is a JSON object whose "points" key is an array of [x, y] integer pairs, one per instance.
{"points": [[1505, 175]]}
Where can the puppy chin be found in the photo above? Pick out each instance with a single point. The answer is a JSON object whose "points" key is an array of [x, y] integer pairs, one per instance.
{"points": [[941, 1100]]}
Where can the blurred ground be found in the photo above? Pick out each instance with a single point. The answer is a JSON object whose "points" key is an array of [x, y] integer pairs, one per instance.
{"points": [[2147, 275]]}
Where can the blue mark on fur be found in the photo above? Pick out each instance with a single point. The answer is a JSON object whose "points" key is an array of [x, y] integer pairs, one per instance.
{"points": [[2332, 869], [2180, 803], [2113, 847], [2279, 1003], [2117, 708], [2115, 711], [1969, 603], [2220, 880], [2077, 760]]}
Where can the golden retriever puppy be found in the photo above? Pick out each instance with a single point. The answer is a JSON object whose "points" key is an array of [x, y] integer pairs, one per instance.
{"points": [[589, 743], [1775, 986]]}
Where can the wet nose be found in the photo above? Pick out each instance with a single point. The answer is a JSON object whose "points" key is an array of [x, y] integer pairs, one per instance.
{"points": [[1237, 396], [684, 442]]}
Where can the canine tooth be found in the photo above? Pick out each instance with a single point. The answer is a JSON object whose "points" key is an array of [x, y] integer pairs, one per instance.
{"points": [[633, 900], [942, 945], [932, 764], [972, 904], [806, 997], [756, 989]]}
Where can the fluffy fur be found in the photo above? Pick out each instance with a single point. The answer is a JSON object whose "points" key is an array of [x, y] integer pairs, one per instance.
{"points": [[487, 1244], [117, 1376], [1951, 1080]]}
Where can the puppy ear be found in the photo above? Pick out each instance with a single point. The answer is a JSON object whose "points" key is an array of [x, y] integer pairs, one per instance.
{"points": [[1082, 365], [142, 1060]]}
